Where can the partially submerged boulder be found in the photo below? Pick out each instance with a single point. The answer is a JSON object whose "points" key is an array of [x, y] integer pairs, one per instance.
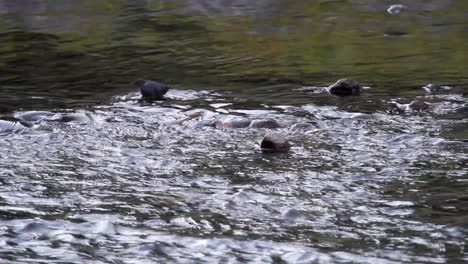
{"points": [[345, 87], [274, 142]]}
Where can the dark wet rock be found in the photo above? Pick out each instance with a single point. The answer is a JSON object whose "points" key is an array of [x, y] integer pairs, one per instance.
{"points": [[418, 106], [264, 123], [151, 90], [34, 116], [238, 122], [345, 87], [274, 142], [14, 126], [302, 126], [396, 9]]}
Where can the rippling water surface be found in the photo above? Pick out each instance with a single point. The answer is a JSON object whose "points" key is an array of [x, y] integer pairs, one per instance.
{"points": [[367, 180]]}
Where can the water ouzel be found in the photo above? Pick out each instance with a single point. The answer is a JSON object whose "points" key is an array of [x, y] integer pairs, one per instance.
{"points": [[151, 90], [345, 87]]}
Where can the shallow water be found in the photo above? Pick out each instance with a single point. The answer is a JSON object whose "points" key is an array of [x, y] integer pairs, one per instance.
{"points": [[366, 182]]}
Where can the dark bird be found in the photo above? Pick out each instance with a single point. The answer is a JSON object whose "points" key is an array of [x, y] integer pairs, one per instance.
{"points": [[151, 90], [345, 87]]}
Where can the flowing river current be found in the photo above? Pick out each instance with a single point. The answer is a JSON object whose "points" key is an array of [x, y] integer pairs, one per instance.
{"points": [[368, 178]]}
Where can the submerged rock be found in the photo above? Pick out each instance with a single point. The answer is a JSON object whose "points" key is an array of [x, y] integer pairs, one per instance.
{"points": [[345, 87], [151, 90], [238, 122], [274, 142], [34, 116], [264, 123], [396, 9]]}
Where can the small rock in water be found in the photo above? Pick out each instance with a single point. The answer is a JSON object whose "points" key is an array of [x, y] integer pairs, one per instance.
{"points": [[151, 90], [345, 87], [274, 142], [264, 123], [396, 9], [233, 123]]}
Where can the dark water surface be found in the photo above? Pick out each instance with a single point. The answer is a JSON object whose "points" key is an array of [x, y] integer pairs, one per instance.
{"points": [[365, 181]]}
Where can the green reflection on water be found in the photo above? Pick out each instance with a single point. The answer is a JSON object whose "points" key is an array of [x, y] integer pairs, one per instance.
{"points": [[70, 52]]}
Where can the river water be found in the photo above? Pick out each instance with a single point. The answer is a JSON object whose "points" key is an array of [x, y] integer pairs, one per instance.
{"points": [[367, 179]]}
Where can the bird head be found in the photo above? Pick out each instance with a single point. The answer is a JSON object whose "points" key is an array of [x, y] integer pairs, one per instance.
{"points": [[139, 82]]}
